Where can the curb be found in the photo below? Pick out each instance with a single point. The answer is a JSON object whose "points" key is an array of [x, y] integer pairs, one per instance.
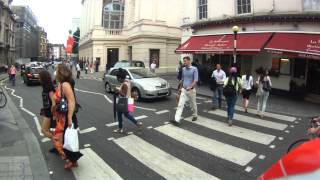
{"points": [[37, 163]]}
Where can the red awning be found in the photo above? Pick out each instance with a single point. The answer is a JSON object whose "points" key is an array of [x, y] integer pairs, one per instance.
{"points": [[246, 42], [296, 44]]}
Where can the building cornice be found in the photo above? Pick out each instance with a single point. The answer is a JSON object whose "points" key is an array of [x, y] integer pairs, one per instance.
{"points": [[247, 19]]}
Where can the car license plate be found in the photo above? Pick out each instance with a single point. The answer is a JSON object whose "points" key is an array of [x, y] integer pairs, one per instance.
{"points": [[36, 75], [163, 91]]}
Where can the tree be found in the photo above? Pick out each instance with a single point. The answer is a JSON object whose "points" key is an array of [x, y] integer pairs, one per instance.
{"points": [[76, 37]]}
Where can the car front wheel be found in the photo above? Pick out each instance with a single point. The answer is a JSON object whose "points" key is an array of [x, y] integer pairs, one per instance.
{"points": [[108, 88], [135, 93]]}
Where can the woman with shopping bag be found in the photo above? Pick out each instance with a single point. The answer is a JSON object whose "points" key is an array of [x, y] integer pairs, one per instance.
{"points": [[124, 102], [67, 123]]}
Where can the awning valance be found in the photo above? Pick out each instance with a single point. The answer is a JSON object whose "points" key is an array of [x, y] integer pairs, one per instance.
{"points": [[295, 44], [246, 43]]}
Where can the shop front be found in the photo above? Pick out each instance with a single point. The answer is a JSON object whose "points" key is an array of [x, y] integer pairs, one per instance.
{"points": [[292, 58]]}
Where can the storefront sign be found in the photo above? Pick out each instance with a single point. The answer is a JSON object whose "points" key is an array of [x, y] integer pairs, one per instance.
{"points": [[221, 44], [314, 46]]}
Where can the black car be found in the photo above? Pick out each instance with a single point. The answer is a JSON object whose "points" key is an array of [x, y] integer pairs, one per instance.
{"points": [[31, 75]]}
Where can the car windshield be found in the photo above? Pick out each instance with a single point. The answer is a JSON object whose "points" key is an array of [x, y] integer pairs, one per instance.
{"points": [[36, 70], [122, 64], [142, 73]]}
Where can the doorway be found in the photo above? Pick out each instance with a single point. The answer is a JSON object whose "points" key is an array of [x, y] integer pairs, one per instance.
{"points": [[112, 57], [313, 80]]}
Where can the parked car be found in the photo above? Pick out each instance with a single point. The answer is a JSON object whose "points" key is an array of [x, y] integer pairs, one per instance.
{"points": [[31, 75], [126, 63], [144, 83]]}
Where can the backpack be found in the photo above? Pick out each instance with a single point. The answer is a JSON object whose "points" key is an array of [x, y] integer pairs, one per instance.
{"points": [[266, 85], [213, 84], [229, 89]]}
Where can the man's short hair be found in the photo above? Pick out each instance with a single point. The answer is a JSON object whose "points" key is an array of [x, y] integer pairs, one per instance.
{"points": [[187, 58]]}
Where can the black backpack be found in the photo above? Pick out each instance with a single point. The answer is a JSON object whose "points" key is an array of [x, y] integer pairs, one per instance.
{"points": [[230, 89], [266, 85]]}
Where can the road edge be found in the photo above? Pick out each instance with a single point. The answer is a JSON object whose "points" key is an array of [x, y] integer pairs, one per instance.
{"points": [[37, 162]]}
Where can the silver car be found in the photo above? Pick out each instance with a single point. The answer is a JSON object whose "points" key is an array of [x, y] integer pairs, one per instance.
{"points": [[144, 83]]}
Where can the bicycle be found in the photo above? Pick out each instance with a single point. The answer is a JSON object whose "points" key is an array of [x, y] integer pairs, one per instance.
{"points": [[3, 98]]}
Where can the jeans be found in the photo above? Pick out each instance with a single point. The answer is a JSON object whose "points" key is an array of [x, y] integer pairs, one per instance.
{"points": [[185, 96], [262, 99], [217, 96], [231, 103], [13, 79], [127, 115]]}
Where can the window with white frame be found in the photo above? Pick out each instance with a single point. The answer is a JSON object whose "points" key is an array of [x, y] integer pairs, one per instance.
{"points": [[113, 14], [244, 6], [203, 9], [311, 5]]}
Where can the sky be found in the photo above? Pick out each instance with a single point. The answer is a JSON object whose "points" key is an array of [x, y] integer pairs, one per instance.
{"points": [[55, 16]]}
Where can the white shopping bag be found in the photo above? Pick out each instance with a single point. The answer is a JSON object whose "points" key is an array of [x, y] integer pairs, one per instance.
{"points": [[71, 141]]}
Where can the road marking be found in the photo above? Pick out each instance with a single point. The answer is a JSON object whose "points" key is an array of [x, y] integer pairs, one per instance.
{"points": [[262, 157], [166, 122], [27, 111], [112, 124], [201, 98], [129, 133], [91, 166], [280, 138], [235, 131], [109, 100], [87, 145], [149, 127], [209, 101], [272, 115], [36, 121], [148, 109], [248, 169], [111, 139], [251, 120], [45, 140], [141, 117], [287, 131], [221, 150], [87, 130], [162, 112], [163, 163], [272, 146], [95, 93]]}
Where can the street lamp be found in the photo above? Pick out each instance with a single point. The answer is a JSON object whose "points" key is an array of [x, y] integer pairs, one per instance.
{"points": [[235, 30]]}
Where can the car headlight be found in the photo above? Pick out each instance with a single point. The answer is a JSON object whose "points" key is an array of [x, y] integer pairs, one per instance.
{"points": [[148, 88]]}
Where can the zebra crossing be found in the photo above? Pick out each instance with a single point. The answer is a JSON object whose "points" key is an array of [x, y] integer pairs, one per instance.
{"points": [[155, 156], [91, 78]]}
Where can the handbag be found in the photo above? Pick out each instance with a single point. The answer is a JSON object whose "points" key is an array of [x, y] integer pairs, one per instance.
{"points": [[229, 89], [71, 140], [122, 104], [62, 106]]}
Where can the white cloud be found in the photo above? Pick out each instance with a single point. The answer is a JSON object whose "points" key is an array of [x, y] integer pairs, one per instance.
{"points": [[54, 15]]}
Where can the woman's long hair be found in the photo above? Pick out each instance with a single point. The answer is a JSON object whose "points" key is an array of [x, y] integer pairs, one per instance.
{"points": [[45, 79], [64, 74], [248, 74]]}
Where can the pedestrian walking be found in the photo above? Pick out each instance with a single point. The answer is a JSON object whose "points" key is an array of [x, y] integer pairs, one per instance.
{"points": [[86, 67], [179, 70], [264, 88], [12, 74], [64, 112], [78, 70], [220, 77], [91, 66], [188, 90], [124, 91], [247, 81], [153, 67], [232, 86], [48, 91]]}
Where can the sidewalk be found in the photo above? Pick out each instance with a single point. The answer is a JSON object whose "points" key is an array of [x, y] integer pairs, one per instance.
{"points": [[276, 104], [20, 153]]}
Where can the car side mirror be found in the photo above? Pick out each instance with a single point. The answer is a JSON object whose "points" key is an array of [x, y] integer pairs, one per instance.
{"points": [[128, 77]]}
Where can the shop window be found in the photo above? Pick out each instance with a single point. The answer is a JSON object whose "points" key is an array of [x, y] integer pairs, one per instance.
{"points": [[280, 66], [203, 9], [299, 68], [244, 6]]}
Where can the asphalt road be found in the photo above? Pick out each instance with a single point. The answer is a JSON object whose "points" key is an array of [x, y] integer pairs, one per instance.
{"points": [[206, 149]]}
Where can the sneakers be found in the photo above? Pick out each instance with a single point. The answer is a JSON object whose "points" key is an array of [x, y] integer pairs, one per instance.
{"points": [[230, 122], [194, 118], [139, 125], [176, 123]]}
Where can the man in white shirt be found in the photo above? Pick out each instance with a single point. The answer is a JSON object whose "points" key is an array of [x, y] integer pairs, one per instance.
{"points": [[153, 67], [78, 70], [220, 77]]}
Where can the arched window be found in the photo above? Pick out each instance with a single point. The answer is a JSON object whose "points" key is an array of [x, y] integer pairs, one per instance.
{"points": [[113, 13]]}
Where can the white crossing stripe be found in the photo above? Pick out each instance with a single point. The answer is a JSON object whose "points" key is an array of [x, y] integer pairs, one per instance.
{"points": [[91, 166], [213, 147], [236, 131], [268, 114], [251, 120], [112, 124], [87, 130], [141, 117], [201, 98], [162, 112], [159, 161]]}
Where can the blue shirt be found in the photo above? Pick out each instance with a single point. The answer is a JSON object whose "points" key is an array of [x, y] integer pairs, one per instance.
{"points": [[189, 75]]}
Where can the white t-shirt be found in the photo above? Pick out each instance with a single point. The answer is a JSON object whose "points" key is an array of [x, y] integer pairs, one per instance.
{"points": [[78, 67], [219, 75], [153, 66], [247, 84]]}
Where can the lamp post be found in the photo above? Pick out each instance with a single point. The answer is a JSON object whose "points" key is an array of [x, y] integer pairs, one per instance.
{"points": [[235, 30]]}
